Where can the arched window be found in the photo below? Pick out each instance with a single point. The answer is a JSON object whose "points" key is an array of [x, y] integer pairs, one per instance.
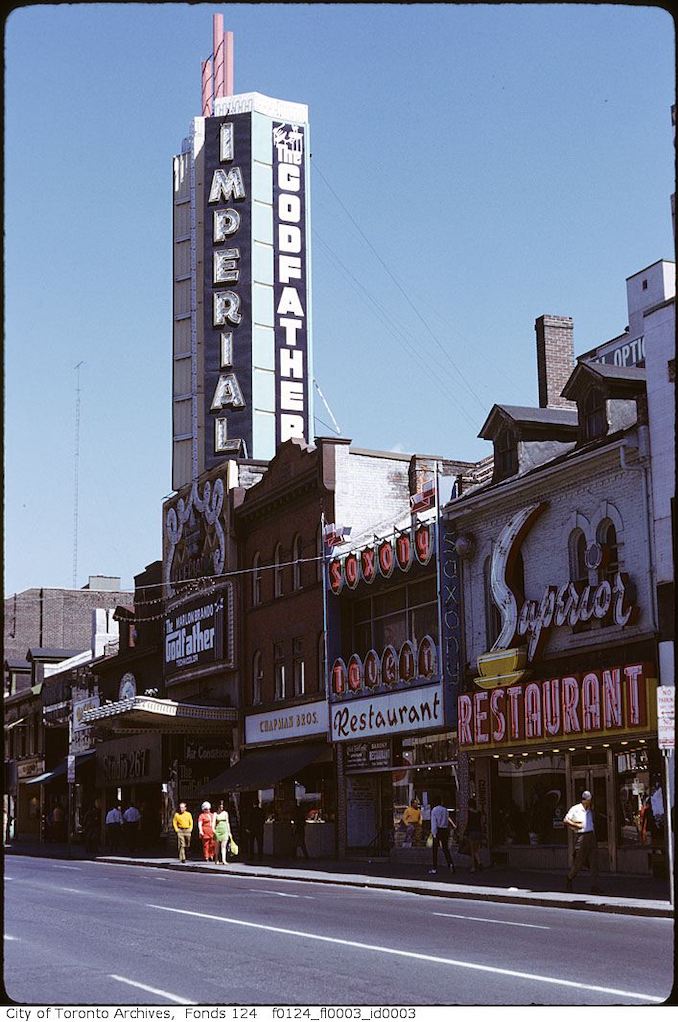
{"points": [[594, 415], [492, 615], [277, 572], [257, 678], [279, 670], [607, 537], [578, 570], [298, 666], [256, 579], [505, 454], [296, 563]]}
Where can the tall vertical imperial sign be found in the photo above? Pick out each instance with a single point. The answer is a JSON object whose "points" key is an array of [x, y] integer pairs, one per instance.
{"points": [[228, 308], [242, 334], [289, 240]]}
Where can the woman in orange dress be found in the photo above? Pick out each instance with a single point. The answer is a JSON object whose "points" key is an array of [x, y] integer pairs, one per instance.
{"points": [[206, 832]]}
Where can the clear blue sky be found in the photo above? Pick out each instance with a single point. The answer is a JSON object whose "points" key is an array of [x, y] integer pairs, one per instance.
{"points": [[473, 168]]}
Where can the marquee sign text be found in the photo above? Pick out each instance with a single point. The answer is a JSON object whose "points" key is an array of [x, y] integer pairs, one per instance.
{"points": [[382, 558]]}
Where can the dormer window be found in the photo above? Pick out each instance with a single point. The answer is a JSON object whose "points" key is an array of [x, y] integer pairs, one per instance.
{"points": [[505, 454], [594, 415]]}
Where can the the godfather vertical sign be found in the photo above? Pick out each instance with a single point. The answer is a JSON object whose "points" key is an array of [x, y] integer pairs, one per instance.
{"points": [[290, 291]]}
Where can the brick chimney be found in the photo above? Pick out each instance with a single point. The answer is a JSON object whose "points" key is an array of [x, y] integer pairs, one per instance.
{"points": [[555, 359]]}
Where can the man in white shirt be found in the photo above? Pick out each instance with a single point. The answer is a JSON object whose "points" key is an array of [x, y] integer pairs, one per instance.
{"points": [[114, 828], [130, 825], [580, 820], [440, 831]]}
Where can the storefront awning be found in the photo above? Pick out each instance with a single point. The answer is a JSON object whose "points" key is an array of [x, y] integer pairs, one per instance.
{"points": [[60, 770], [144, 713], [264, 768]]}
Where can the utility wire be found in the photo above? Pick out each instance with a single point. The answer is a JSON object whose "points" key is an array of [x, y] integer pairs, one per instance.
{"points": [[398, 284]]}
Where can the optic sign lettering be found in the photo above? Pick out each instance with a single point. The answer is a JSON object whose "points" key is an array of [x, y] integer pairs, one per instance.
{"points": [[413, 663], [290, 291], [194, 634], [614, 701], [382, 558], [228, 275], [566, 603], [629, 353]]}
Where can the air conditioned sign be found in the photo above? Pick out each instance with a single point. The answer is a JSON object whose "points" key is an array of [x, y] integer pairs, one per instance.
{"points": [[609, 702], [290, 289]]}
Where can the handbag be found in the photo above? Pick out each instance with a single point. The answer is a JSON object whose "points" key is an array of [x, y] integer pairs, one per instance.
{"points": [[429, 841], [232, 847]]}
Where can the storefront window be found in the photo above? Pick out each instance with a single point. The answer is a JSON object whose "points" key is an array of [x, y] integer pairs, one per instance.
{"points": [[531, 800], [640, 800]]}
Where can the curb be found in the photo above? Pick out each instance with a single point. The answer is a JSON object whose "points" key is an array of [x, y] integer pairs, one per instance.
{"points": [[659, 910]]}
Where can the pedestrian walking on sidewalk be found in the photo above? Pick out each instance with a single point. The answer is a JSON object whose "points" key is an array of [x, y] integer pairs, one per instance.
{"points": [[206, 831], [182, 821], [474, 834], [257, 817], [222, 832], [580, 820], [299, 827], [440, 832], [114, 828], [411, 820], [131, 819]]}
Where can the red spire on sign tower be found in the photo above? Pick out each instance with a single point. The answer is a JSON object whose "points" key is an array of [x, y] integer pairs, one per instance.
{"points": [[217, 70]]}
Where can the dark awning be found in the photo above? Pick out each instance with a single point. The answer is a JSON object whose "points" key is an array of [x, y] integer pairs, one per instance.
{"points": [[60, 770], [263, 768]]}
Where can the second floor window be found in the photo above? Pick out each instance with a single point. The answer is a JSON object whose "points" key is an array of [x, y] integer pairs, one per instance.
{"points": [[277, 571], [298, 666], [279, 669], [296, 563], [256, 579], [257, 678]]}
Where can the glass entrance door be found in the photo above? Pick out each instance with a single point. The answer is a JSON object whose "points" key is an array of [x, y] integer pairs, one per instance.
{"points": [[596, 780]]}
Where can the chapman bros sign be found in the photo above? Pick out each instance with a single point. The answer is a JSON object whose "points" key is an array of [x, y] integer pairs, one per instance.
{"points": [[596, 703], [382, 558]]}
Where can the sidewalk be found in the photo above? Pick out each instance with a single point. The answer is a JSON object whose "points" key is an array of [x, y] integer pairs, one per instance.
{"points": [[624, 895]]}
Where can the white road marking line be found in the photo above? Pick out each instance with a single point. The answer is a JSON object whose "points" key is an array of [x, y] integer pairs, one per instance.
{"points": [[480, 919], [67, 867], [72, 890], [152, 990], [7, 937], [577, 985], [279, 894]]}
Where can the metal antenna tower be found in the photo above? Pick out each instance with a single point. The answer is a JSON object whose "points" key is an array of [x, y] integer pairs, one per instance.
{"points": [[76, 460]]}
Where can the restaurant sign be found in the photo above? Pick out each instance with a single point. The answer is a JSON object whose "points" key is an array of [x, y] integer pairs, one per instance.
{"points": [[596, 703], [404, 710]]}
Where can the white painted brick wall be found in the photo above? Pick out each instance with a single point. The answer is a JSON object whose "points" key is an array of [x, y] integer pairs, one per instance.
{"points": [[545, 551], [369, 490]]}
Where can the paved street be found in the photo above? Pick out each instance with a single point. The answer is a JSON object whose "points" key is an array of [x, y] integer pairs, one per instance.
{"points": [[93, 932]]}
